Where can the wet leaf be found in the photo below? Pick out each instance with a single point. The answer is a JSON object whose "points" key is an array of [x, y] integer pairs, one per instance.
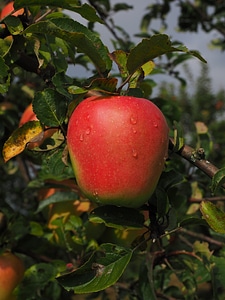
{"points": [[17, 142], [102, 270], [213, 216]]}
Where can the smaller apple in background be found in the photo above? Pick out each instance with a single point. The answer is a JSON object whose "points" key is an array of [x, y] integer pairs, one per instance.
{"points": [[11, 274], [123, 238], [64, 210], [8, 9], [67, 208], [28, 115]]}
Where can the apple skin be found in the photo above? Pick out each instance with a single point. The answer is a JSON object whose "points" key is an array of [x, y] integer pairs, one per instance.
{"points": [[118, 146], [8, 9], [28, 115], [11, 273]]}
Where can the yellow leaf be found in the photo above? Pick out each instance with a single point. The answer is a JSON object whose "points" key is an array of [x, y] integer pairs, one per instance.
{"points": [[17, 142], [201, 128]]}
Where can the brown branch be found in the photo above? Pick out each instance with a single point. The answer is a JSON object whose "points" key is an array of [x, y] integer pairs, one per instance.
{"points": [[191, 155], [218, 198], [183, 252], [202, 237]]}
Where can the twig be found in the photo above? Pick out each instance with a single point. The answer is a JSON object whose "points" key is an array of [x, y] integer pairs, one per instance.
{"points": [[204, 165], [183, 252], [202, 237], [218, 198], [163, 296]]}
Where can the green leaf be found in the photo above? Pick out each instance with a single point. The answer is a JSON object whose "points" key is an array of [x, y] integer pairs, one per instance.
{"points": [[218, 275], [36, 229], [146, 289], [85, 10], [162, 201], [76, 90], [148, 49], [121, 6], [203, 249], [50, 107], [3, 68], [56, 198], [213, 216], [218, 179], [103, 84], [61, 81], [117, 217], [14, 25], [5, 47], [36, 278], [102, 270], [53, 166], [178, 137], [78, 35], [192, 221], [120, 58]]}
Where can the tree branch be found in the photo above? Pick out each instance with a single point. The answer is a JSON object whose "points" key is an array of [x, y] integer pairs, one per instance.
{"points": [[192, 156]]}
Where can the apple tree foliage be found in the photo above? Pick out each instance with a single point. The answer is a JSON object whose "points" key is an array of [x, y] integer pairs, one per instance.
{"points": [[172, 247]]}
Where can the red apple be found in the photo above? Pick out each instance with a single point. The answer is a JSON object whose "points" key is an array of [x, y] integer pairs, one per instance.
{"points": [[8, 9], [28, 115], [118, 146], [11, 273]]}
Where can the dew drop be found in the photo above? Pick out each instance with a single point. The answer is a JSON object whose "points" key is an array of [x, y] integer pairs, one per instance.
{"points": [[81, 137], [134, 130], [88, 131], [134, 153], [133, 120], [95, 194], [155, 125]]}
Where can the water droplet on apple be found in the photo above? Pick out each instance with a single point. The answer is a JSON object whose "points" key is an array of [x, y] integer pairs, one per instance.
{"points": [[81, 137], [134, 130], [155, 125], [133, 119], [134, 153], [95, 194], [88, 131]]}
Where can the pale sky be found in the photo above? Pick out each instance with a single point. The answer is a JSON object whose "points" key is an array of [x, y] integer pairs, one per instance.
{"points": [[130, 21]]}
